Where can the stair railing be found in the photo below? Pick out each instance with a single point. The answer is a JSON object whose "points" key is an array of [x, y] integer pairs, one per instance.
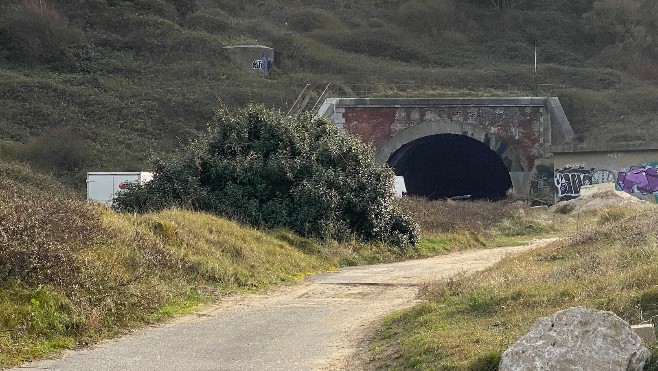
{"points": [[297, 100], [320, 98]]}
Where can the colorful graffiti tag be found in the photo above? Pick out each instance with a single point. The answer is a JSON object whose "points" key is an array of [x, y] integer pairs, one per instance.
{"points": [[639, 179], [570, 179]]}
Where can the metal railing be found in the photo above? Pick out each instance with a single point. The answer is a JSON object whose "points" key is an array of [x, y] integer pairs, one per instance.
{"points": [[413, 90]]}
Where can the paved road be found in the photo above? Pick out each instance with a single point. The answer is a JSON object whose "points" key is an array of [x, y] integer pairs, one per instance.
{"points": [[324, 323]]}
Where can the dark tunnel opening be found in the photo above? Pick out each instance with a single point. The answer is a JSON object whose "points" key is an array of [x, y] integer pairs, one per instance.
{"points": [[451, 166]]}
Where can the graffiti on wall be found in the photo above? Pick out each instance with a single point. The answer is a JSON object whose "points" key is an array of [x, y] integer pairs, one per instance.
{"points": [[541, 183], [639, 180], [600, 176], [570, 179]]}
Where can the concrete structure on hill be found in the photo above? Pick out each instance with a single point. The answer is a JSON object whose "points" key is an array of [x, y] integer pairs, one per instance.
{"points": [[483, 147], [256, 58]]}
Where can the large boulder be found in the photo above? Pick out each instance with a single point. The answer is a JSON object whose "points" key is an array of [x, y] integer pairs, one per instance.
{"points": [[577, 339]]}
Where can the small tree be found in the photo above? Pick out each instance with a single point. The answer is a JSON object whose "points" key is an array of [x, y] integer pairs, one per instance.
{"points": [[260, 167]]}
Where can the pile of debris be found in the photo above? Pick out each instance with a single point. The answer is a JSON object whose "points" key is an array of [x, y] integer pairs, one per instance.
{"points": [[598, 199]]}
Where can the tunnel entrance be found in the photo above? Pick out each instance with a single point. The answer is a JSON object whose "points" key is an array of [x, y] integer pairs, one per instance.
{"points": [[450, 166]]}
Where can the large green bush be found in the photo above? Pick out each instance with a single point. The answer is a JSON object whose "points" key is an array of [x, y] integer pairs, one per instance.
{"points": [[269, 170]]}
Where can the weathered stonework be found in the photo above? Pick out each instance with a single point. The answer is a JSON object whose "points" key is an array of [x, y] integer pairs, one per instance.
{"points": [[532, 136], [517, 129]]}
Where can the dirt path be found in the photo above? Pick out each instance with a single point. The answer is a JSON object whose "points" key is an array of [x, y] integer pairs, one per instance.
{"points": [[324, 323]]}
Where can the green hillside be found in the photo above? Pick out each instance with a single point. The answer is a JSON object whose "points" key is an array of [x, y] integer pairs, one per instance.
{"points": [[105, 84]]}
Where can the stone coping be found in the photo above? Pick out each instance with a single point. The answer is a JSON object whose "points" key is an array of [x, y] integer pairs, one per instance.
{"points": [[602, 147], [430, 102], [247, 47]]}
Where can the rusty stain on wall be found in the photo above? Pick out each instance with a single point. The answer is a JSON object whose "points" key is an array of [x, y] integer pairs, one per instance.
{"points": [[517, 128], [372, 126]]}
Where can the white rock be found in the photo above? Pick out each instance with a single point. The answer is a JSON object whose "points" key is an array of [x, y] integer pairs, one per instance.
{"points": [[577, 339]]}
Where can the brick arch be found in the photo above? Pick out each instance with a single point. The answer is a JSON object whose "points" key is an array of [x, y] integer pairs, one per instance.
{"points": [[518, 129], [500, 145]]}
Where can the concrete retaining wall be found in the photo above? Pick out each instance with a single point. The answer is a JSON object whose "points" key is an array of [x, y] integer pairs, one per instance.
{"points": [[532, 136], [631, 167]]}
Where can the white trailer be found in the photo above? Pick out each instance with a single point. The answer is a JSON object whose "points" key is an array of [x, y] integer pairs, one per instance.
{"points": [[102, 187], [399, 188]]}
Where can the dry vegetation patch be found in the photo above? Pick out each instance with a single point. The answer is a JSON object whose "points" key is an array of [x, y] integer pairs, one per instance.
{"points": [[72, 273], [454, 225], [468, 322]]}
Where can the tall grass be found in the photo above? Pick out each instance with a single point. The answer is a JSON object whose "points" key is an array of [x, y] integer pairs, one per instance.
{"points": [[454, 225], [71, 273], [468, 322]]}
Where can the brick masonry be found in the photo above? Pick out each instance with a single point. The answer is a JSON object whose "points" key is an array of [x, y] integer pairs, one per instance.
{"points": [[517, 129]]}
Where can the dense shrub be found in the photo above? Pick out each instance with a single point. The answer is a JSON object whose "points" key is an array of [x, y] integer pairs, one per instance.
{"points": [[428, 17], [623, 31], [185, 7], [59, 151], [209, 20], [380, 43], [160, 63], [269, 170]]}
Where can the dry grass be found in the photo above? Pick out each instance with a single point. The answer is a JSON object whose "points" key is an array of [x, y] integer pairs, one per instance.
{"points": [[71, 273], [453, 225], [468, 322], [456, 216]]}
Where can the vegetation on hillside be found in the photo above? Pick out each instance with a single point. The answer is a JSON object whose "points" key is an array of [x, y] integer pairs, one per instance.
{"points": [[73, 273], [118, 81], [107, 84], [468, 322], [273, 171]]}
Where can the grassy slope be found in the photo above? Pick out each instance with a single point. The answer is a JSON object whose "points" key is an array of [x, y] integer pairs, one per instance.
{"points": [[131, 79], [72, 273], [468, 322], [126, 80]]}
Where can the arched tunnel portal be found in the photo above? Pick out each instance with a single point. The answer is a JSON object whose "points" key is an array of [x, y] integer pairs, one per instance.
{"points": [[451, 165]]}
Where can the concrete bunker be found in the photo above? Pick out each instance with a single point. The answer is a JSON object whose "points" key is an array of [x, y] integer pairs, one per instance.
{"points": [[451, 165]]}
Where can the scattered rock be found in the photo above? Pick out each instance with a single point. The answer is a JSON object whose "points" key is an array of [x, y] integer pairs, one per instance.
{"points": [[577, 339]]}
